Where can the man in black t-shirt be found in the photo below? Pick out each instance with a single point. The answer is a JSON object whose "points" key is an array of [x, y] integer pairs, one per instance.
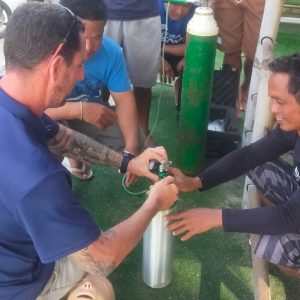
{"points": [[276, 180]]}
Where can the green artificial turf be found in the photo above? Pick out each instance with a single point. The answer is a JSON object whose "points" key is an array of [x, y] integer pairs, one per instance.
{"points": [[214, 265]]}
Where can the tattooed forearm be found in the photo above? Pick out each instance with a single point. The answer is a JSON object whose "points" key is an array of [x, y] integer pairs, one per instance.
{"points": [[97, 261], [81, 147], [92, 266]]}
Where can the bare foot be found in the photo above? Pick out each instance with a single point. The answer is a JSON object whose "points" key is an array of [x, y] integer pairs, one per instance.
{"points": [[243, 97], [244, 88]]}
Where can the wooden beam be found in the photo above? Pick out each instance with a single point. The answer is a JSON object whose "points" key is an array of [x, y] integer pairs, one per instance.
{"points": [[260, 273]]}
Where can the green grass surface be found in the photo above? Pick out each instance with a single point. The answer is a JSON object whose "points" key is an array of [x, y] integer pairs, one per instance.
{"points": [[212, 266]]}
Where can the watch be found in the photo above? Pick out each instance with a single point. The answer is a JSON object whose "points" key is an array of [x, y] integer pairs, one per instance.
{"points": [[127, 157]]}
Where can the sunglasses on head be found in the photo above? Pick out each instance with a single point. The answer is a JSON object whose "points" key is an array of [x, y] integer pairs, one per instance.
{"points": [[65, 39]]}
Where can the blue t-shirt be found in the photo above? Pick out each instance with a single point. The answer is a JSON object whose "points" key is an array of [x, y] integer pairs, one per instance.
{"points": [[176, 29], [106, 68], [129, 10], [40, 219]]}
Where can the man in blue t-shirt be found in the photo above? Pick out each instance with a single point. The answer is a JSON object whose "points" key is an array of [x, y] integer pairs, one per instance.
{"points": [[87, 110], [48, 241], [135, 26], [173, 43]]}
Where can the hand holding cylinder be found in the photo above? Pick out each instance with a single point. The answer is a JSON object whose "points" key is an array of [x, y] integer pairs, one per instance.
{"points": [[185, 183], [163, 193]]}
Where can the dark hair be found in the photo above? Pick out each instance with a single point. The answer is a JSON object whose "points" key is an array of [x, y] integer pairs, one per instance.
{"points": [[34, 32], [290, 65], [92, 10]]}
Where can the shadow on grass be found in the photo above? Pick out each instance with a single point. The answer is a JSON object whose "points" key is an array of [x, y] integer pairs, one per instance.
{"points": [[224, 270]]}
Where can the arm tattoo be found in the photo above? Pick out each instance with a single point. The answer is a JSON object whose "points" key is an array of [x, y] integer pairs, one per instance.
{"points": [[76, 145], [93, 265]]}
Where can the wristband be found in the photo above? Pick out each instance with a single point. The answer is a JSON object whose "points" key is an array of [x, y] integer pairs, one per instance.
{"points": [[127, 157]]}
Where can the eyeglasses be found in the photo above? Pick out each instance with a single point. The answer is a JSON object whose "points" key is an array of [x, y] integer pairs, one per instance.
{"points": [[65, 39]]}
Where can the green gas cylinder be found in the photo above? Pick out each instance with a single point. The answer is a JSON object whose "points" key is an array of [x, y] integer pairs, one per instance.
{"points": [[201, 41]]}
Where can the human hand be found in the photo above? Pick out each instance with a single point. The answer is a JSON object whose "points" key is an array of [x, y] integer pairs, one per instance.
{"points": [[139, 165], [164, 193], [166, 73], [98, 114], [130, 179], [185, 183], [193, 221]]}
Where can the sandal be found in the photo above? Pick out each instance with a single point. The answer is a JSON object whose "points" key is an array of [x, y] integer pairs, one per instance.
{"points": [[82, 173]]}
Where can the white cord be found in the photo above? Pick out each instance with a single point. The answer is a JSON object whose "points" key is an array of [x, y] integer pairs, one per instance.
{"points": [[163, 75], [165, 39], [158, 107]]}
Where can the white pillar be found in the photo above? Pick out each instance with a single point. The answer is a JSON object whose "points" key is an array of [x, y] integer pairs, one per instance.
{"points": [[258, 121]]}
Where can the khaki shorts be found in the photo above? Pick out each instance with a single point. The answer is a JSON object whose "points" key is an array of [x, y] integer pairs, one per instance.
{"points": [[140, 40], [239, 25], [65, 276]]}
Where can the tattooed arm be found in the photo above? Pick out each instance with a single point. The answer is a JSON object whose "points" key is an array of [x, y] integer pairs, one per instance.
{"points": [[76, 145], [109, 250]]}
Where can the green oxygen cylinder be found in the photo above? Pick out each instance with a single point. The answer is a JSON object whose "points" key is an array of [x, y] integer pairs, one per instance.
{"points": [[201, 40]]}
